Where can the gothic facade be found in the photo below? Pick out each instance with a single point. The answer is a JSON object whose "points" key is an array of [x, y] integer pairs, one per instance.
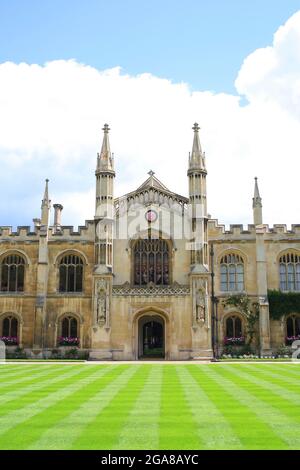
{"points": [[148, 276]]}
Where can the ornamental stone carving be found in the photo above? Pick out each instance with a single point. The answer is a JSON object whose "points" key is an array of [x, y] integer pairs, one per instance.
{"points": [[150, 290], [200, 299], [102, 303]]}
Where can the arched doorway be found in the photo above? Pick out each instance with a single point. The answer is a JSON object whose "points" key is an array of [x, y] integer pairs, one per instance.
{"points": [[151, 337]]}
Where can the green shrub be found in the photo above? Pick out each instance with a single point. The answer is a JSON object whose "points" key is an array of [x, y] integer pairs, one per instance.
{"points": [[284, 350]]}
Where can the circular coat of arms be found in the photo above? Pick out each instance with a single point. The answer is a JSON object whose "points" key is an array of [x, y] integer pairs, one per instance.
{"points": [[151, 215]]}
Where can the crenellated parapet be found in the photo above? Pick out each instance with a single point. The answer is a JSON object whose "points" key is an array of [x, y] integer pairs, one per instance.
{"points": [[237, 232], [22, 232], [67, 232]]}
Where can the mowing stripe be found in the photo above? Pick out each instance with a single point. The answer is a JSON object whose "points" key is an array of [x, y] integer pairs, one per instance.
{"points": [[141, 430], [213, 427], [286, 375], [76, 422], [31, 430], [272, 394], [25, 377], [285, 386], [104, 430], [10, 371], [282, 426], [252, 431], [16, 417], [178, 429], [40, 385]]}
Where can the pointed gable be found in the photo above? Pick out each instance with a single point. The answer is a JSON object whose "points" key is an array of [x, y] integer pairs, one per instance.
{"points": [[152, 182]]}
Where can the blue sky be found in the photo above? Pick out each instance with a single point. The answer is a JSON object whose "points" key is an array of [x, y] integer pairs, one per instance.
{"points": [[200, 42], [151, 69]]}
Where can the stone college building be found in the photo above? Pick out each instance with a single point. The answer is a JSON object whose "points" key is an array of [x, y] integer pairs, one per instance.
{"points": [[147, 277]]}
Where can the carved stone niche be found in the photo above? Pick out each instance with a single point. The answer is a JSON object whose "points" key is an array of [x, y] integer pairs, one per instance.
{"points": [[102, 303], [199, 301]]}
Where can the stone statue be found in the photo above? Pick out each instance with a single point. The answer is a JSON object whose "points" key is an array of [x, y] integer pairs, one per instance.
{"points": [[101, 308], [200, 305], [102, 302]]}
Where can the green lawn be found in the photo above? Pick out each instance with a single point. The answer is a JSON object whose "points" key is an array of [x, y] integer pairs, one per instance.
{"points": [[150, 406]]}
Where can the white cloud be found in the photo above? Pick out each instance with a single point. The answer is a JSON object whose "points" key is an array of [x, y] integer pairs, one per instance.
{"points": [[51, 118]]}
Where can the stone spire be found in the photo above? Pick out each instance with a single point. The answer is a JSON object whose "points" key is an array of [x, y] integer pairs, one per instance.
{"points": [[197, 157], [46, 205], [257, 205], [105, 161]]}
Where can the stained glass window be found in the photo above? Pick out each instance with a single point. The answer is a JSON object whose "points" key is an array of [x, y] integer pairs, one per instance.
{"points": [[151, 262]]}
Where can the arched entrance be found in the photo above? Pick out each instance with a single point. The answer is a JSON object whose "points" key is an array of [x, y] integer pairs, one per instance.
{"points": [[151, 337]]}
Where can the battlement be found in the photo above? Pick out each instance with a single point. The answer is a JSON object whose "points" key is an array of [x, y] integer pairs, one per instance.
{"points": [[68, 232], [22, 232], [218, 231], [86, 231]]}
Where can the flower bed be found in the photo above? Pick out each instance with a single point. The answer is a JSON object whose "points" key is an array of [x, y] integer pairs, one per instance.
{"points": [[68, 341], [9, 340], [290, 339], [234, 341]]}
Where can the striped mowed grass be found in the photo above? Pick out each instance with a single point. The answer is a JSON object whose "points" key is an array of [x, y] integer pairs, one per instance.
{"points": [[150, 406]]}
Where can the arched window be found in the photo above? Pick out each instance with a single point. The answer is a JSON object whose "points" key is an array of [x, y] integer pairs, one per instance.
{"points": [[232, 273], [151, 262], [293, 326], [69, 327], [71, 274], [234, 327], [10, 327], [289, 271], [12, 274]]}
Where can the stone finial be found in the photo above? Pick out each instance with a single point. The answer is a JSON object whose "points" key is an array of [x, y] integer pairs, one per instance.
{"points": [[196, 157], [46, 205], [106, 128], [105, 160], [257, 205]]}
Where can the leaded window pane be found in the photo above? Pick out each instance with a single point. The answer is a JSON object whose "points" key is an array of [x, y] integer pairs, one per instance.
{"points": [[289, 272], [297, 326], [232, 273], [229, 327], [14, 327], [290, 326], [291, 277], [12, 274], [283, 273], [73, 328], [6, 327], [238, 327], [71, 274], [298, 276], [10, 327], [65, 327], [151, 262]]}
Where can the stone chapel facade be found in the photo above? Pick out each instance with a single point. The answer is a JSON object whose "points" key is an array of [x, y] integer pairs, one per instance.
{"points": [[147, 276]]}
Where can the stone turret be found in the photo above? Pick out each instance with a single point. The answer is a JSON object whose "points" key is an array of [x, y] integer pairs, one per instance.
{"points": [[198, 203], [199, 274], [103, 271], [104, 214]]}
